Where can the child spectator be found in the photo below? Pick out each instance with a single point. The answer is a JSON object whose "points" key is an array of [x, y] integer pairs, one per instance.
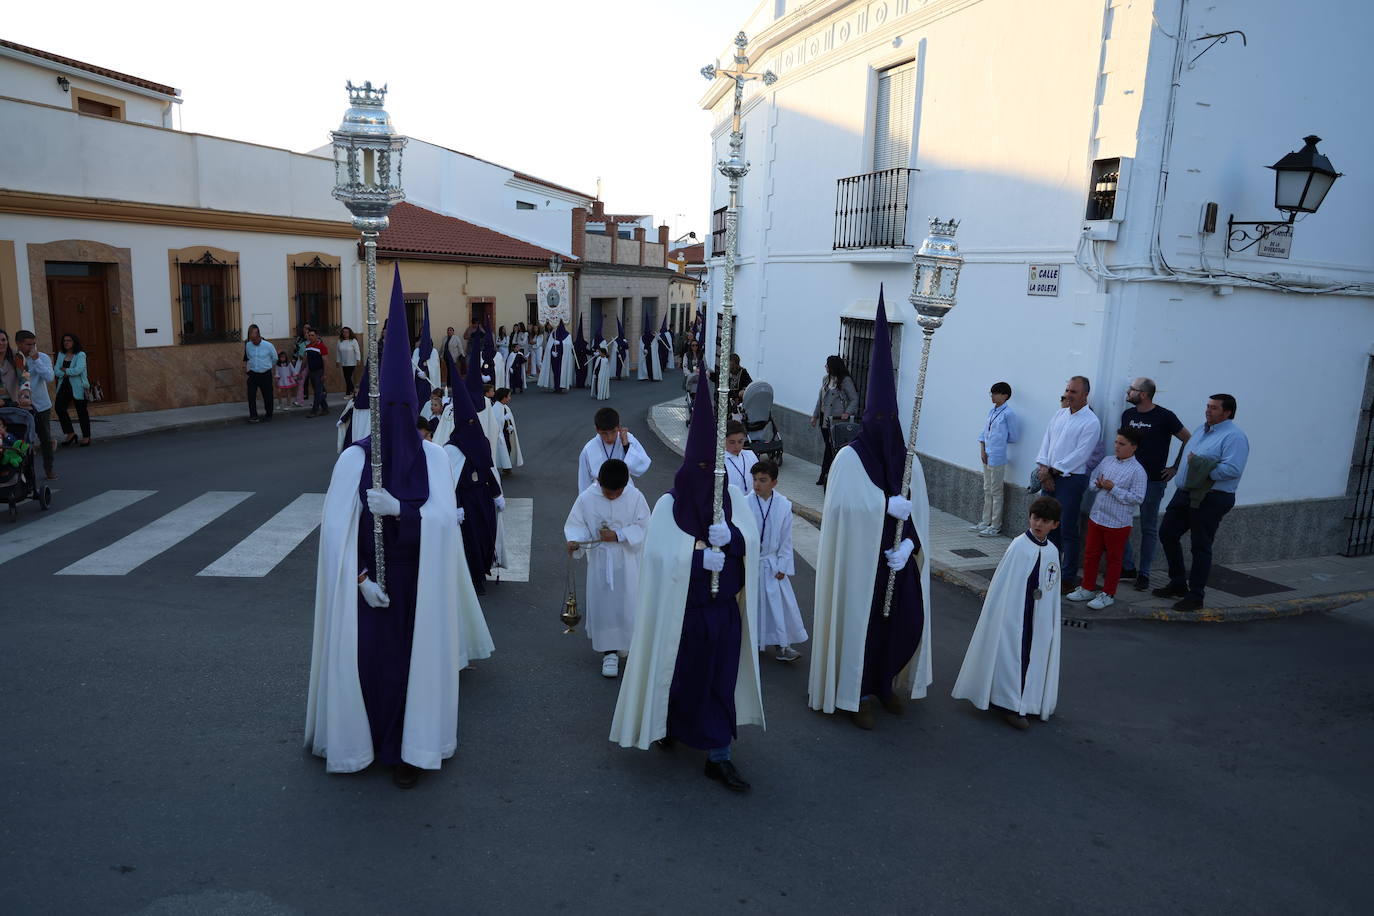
{"points": [[780, 622], [286, 380], [1012, 663], [1000, 429], [1119, 487]]}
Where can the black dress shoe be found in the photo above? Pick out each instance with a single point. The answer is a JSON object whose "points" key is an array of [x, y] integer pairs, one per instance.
{"points": [[863, 716], [892, 703], [1168, 591], [405, 776], [1188, 603], [726, 774], [1142, 583], [253, 420], [666, 743]]}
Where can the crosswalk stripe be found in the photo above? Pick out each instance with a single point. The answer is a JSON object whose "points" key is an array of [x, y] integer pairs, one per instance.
{"points": [[259, 553], [518, 520], [130, 552], [806, 540], [50, 527]]}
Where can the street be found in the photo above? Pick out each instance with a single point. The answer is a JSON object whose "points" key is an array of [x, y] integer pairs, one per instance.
{"points": [[154, 761]]}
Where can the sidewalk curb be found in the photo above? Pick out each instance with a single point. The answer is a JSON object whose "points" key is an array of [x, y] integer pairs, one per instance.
{"points": [[186, 426], [1122, 611]]}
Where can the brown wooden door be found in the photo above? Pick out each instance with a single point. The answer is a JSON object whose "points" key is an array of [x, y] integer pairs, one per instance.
{"points": [[78, 306]]}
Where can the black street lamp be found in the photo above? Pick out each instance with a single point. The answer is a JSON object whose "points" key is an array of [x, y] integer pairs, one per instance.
{"points": [[1301, 181]]}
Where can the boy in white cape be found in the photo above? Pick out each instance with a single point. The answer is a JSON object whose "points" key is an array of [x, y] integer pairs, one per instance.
{"points": [[1012, 663], [615, 516], [780, 622]]}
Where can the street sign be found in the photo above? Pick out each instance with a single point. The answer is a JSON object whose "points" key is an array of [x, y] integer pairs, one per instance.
{"points": [[1044, 280], [1277, 244]]}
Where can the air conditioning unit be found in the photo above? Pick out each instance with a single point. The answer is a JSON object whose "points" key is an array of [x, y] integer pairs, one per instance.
{"points": [[1107, 187]]}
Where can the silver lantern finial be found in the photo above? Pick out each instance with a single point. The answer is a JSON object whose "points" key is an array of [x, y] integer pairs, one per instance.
{"points": [[367, 180], [934, 287]]}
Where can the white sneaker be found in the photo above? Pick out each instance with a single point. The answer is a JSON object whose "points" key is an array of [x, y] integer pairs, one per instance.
{"points": [[990, 532], [1081, 594], [610, 665], [787, 654], [1101, 602], [976, 527]]}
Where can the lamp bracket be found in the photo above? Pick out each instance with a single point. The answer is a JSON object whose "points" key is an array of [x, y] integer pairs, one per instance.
{"points": [[1219, 38], [1262, 228]]}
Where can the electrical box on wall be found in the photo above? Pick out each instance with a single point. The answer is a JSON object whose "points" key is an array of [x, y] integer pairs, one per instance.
{"points": [[1107, 187]]}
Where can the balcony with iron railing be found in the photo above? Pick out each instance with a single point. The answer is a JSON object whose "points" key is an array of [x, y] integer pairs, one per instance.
{"points": [[871, 210]]}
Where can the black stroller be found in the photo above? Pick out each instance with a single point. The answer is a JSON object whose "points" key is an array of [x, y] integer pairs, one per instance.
{"points": [[760, 430], [17, 479]]}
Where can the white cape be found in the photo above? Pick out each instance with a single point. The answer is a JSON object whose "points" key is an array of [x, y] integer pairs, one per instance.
{"points": [[511, 457], [601, 378], [649, 368], [992, 666], [336, 725], [851, 535], [667, 338], [641, 710], [445, 427], [429, 368], [501, 370], [475, 623], [780, 620]]}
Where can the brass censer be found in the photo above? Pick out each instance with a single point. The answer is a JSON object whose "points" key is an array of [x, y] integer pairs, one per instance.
{"points": [[571, 616]]}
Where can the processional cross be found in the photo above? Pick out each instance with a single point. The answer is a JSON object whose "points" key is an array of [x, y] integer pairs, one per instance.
{"points": [[733, 168]]}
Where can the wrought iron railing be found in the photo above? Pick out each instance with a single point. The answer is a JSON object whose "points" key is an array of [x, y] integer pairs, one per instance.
{"points": [[870, 210]]}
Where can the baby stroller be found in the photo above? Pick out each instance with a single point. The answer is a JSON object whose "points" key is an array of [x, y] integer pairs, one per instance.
{"points": [[760, 431], [689, 385], [17, 479]]}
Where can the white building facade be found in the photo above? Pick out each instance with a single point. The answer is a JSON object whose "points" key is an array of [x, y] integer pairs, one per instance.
{"points": [[1023, 120]]}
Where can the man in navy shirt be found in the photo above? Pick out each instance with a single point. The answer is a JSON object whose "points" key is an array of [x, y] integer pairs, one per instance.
{"points": [[1157, 426]]}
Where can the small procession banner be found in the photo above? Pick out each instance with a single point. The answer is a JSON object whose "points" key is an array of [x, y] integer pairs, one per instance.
{"points": [[555, 298]]}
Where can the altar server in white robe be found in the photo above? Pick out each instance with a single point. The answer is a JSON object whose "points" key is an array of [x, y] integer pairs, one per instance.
{"points": [[859, 654], [611, 441], [692, 676], [384, 663], [780, 621], [511, 456], [601, 375], [615, 516], [1012, 663], [739, 461], [440, 407]]}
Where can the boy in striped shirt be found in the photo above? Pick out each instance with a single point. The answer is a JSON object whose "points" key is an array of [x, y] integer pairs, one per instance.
{"points": [[1119, 487]]}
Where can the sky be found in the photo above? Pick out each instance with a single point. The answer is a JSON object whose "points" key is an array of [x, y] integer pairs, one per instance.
{"points": [[567, 90]]}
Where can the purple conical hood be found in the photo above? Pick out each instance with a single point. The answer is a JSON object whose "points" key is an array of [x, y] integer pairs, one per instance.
{"points": [[880, 443], [663, 326], [360, 401], [468, 436], [619, 329], [488, 341], [405, 473], [579, 340], [561, 332], [453, 377], [426, 343], [692, 484]]}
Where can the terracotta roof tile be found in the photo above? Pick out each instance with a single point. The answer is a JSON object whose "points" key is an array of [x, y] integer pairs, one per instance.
{"points": [[419, 231], [91, 68]]}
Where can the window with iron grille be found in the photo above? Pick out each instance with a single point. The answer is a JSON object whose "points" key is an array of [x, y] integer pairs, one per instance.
{"points": [[856, 349], [531, 309], [317, 296], [718, 232], [415, 314], [208, 300]]}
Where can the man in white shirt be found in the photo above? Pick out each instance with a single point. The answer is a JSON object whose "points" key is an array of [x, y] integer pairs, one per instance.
{"points": [[1063, 465], [611, 441]]}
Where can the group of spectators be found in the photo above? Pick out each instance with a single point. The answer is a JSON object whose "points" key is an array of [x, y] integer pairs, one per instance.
{"points": [[25, 374], [297, 372], [1072, 464]]}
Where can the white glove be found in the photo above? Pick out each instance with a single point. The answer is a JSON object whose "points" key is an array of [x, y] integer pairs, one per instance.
{"points": [[462, 516], [500, 504], [718, 535], [897, 556], [713, 560], [373, 594], [899, 507], [380, 502]]}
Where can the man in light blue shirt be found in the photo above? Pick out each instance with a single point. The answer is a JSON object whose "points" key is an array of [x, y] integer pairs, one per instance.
{"points": [[40, 373], [259, 357], [1211, 466], [999, 429]]}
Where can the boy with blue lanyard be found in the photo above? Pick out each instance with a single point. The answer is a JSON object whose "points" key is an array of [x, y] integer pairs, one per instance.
{"points": [[1000, 429]]}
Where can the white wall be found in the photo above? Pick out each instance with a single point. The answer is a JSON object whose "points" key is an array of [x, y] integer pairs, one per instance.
{"points": [[1012, 107], [262, 269], [60, 152], [37, 83]]}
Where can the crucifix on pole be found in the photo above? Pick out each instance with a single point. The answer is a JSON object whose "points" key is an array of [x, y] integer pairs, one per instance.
{"points": [[734, 168]]}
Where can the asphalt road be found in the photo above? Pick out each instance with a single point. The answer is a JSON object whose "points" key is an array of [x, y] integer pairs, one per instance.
{"points": [[153, 759]]}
